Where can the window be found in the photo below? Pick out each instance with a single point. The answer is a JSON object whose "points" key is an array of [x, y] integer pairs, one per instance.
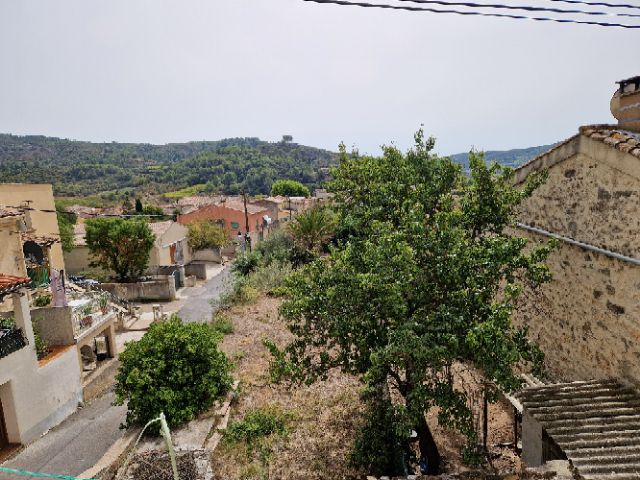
{"points": [[235, 225]]}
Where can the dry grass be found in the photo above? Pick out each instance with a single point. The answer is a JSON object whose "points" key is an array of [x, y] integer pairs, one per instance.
{"points": [[324, 415]]}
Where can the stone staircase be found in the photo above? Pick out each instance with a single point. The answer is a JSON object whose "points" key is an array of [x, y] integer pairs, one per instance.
{"points": [[596, 423]]}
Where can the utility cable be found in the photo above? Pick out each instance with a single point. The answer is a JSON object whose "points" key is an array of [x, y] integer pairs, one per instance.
{"points": [[599, 4], [520, 7], [471, 13]]}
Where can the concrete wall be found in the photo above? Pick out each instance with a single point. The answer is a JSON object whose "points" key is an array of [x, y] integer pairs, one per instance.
{"points": [[41, 198], [163, 289], [12, 258], [54, 324], [197, 269], [37, 397], [208, 255]]}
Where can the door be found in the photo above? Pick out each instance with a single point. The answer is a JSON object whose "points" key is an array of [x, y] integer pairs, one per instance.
{"points": [[4, 439]]}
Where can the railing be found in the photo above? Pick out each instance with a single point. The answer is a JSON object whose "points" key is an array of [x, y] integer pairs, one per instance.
{"points": [[11, 340], [89, 310]]}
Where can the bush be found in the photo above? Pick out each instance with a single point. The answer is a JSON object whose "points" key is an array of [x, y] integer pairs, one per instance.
{"points": [[206, 234], [269, 278], [222, 323], [42, 300], [276, 247], [257, 424], [174, 368], [246, 263]]}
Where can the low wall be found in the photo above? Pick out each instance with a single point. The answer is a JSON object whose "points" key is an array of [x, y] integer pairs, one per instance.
{"points": [[161, 290], [54, 324], [197, 269], [208, 255]]}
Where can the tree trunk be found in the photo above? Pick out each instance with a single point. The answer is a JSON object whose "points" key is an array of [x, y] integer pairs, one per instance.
{"points": [[428, 448]]}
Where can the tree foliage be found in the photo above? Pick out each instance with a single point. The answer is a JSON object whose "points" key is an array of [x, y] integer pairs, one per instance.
{"points": [[312, 229], [425, 275], [120, 245], [205, 234], [289, 188], [174, 368], [66, 221]]}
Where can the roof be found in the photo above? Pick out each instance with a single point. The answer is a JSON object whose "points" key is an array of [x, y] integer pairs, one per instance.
{"points": [[596, 424], [197, 201], [239, 206], [623, 140], [160, 228], [11, 283], [42, 239], [6, 212]]}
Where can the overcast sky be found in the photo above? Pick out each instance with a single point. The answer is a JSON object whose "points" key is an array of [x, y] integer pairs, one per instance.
{"points": [[168, 71]]}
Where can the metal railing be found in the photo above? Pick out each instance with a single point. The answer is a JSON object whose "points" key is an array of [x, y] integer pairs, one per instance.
{"points": [[11, 340]]}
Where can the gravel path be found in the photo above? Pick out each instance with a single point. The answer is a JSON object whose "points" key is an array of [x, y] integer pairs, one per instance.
{"points": [[197, 307]]}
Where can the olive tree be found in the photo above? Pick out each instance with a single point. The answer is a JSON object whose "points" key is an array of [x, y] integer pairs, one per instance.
{"points": [[426, 276]]}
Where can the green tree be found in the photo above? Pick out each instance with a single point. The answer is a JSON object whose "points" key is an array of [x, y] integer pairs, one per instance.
{"points": [[174, 368], [313, 228], [289, 188], [66, 221], [427, 277], [205, 234], [120, 245]]}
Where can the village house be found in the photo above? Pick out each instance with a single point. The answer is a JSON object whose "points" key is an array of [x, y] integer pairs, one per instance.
{"points": [[586, 320], [35, 395], [231, 215]]}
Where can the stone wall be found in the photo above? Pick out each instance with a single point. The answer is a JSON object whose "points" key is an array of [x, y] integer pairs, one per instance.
{"points": [[587, 320], [54, 324], [592, 196], [161, 290]]}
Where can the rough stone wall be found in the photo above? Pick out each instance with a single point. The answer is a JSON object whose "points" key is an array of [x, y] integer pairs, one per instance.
{"points": [[587, 320], [593, 196]]}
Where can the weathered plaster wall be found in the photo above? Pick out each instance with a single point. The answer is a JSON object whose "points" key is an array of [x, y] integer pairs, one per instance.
{"points": [[164, 289], [587, 320], [12, 258], [593, 196]]}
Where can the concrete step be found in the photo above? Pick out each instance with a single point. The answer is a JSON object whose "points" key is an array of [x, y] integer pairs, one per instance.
{"points": [[615, 438], [593, 425], [608, 460], [539, 398], [581, 404], [628, 468], [577, 453], [610, 476], [592, 411]]}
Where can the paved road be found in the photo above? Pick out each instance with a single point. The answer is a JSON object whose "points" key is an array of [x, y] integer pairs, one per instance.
{"points": [[76, 444], [198, 306]]}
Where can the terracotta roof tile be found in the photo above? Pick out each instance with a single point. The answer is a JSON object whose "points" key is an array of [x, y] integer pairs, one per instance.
{"points": [[615, 137], [6, 212], [10, 283], [42, 239]]}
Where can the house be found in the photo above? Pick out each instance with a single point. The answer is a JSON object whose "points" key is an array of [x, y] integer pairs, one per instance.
{"points": [[35, 395], [37, 200], [169, 249], [587, 319], [231, 215]]}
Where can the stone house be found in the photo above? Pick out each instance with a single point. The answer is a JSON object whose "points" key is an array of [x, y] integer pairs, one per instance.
{"points": [[35, 395], [587, 319], [231, 215]]}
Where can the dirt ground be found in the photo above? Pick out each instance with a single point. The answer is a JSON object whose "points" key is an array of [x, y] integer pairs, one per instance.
{"points": [[324, 415]]}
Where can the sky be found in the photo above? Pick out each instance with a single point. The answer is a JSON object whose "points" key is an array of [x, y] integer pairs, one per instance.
{"points": [[161, 71]]}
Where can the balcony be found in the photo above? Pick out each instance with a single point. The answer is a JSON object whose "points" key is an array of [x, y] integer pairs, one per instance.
{"points": [[89, 311]]}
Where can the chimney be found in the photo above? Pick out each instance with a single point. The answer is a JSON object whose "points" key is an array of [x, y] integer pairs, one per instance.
{"points": [[625, 104]]}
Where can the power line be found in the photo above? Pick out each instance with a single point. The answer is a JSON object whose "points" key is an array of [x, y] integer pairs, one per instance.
{"points": [[599, 4], [471, 13], [520, 7]]}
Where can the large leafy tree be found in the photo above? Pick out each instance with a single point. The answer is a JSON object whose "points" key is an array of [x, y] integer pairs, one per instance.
{"points": [[205, 234], [66, 221], [313, 228], [120, 245], [425, 275], [289, 188]]}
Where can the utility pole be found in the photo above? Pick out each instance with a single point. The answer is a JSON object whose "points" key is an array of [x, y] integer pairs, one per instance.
{"points": [[289, 198], [247, 238]]}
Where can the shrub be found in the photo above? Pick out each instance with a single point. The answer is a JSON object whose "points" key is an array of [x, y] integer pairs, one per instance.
{"points": [[42, 300], [206, 234], [246, 263], [222, 323], [276, 247], [257, 424], [289, 188], [174, 368], [269, 278], [42, 347]]}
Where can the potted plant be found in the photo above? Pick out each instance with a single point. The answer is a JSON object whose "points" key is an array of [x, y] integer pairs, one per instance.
{"points": [[103, 303], [85, 314]]}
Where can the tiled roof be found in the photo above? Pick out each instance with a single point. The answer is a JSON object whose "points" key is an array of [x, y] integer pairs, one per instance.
{"points": [[42, 239], [11, 283], [239, 206], [596, 424], [159, 228], [623, 140], [198, 201], [6, 212]]}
